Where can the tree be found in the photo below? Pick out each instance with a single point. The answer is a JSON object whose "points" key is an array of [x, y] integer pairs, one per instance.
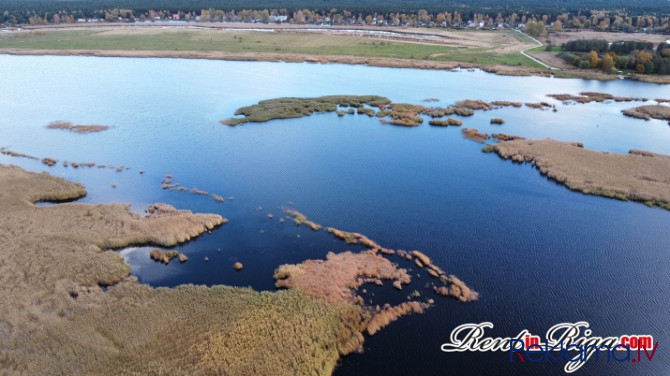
{"points": [[536, 29], [608, 63], [639, 68], [593, 59], [558, 25]]}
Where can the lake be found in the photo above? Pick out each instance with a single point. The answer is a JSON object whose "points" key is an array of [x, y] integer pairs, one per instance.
{"points": [[537, 253]]}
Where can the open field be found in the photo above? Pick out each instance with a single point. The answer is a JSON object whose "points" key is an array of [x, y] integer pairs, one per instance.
{"points": [[565, 36], [489, 48], [499, 52]]}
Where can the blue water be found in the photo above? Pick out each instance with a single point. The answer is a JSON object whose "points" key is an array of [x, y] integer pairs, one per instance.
{"points": [[537, 253]]}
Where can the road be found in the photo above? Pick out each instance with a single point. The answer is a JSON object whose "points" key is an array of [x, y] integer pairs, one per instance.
{"points": [[523, 52]]}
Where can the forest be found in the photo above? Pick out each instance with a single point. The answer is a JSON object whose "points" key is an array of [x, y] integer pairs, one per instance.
{"points": [[638, 56], [621, 15]]}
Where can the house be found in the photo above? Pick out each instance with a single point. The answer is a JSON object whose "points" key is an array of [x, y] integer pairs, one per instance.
{"points": [[277, 19], [175, 16]]}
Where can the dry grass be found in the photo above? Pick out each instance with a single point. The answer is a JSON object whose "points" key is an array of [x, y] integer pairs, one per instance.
{"points": [[505, 137], [335, 278], [566, 36], [77, 128], [473, 134], [56, 320], [649, 112], [639, 176], [475, 104], [300, 219], [589, 96], [447, 122], [506, 104], [16, 154], [538, 106]]}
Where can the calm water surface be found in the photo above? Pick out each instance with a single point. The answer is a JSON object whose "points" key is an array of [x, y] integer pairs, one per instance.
{"points": [[538, 253]]}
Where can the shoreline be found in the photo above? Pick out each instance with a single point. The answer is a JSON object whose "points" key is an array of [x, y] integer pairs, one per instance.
{"points": [[71, 289], [381, 62]]}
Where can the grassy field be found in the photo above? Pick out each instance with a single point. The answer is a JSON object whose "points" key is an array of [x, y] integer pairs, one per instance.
{"points": [[544, 48], [237, 41]]}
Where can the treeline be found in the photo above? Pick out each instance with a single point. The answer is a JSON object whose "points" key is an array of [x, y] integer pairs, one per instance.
{"points": [[621, 15], [600, 45], [624, 55]]}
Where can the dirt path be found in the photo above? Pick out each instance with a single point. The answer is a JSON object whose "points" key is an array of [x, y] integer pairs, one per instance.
{"points": [[523, 52]]}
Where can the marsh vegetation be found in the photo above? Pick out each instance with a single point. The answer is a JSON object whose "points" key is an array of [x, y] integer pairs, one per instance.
{"points": [[638, 176], [66, 125]]}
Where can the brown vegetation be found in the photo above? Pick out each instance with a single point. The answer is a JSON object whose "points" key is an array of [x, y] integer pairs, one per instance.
{"points": [[300, 219], [649, 112], [540, 106], [474, 135], [354, 238], [497, 121], [589, 96], [58, 257], [404, 114], [49, 161], [238, 266], [15, 154], [457, 290], [505, 137], [475, 104], [217, 198], [335, 278], [447, 122], [507, 104], [389, 313], [77, 128], [639, 175], [164, 257], [196, 191]]}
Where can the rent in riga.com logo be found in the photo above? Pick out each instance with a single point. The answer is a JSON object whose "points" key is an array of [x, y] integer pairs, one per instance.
{"points": [[564, 343]]}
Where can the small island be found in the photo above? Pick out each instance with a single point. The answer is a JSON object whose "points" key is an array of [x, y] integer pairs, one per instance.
{"points": [[66, 125], [658, 112], [638, 176]]}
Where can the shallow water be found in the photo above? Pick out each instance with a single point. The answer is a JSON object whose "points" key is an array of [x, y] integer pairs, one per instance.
{"points": [[538, 253]]}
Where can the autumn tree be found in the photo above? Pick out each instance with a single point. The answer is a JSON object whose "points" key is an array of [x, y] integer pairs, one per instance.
{"points": [[607, 63], [593, 59], [536, 29], [558, 25]]}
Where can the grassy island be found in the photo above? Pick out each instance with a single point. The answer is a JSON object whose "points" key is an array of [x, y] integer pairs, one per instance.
{"points": [[287, 108], [638, 176]]}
